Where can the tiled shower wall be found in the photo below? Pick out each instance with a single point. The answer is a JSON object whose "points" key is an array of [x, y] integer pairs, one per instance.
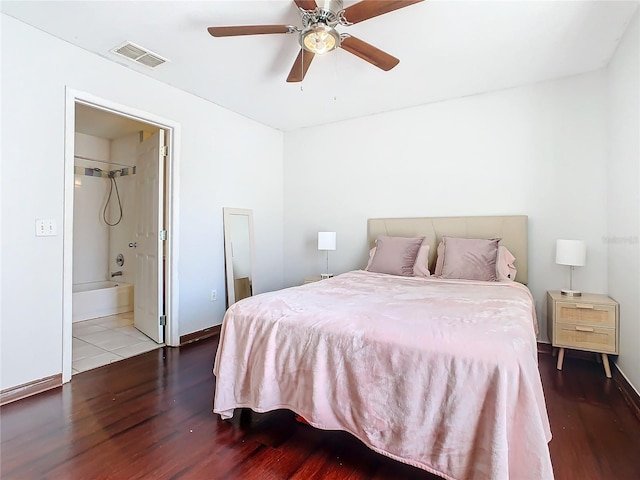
{"points": [[95, 245]]}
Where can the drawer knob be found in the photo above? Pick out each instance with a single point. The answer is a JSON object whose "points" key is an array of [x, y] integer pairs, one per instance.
{"points": [[584, 305], [584, 329]]}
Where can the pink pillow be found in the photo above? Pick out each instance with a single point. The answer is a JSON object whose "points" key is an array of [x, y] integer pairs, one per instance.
{"points": [[420, 268], [395, 255], [470, 258], [505, 269], [437, 271]]}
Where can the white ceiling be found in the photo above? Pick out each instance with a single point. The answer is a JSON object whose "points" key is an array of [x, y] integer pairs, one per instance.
{"points": [[447, 49]]}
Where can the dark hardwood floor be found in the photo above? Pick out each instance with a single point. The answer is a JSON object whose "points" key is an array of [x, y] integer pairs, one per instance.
{"points": [[151, 417]]}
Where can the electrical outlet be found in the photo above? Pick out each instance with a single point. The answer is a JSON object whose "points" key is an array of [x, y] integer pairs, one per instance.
{"points": [[214, 295]]}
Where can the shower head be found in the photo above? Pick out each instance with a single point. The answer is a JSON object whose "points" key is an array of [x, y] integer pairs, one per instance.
{"points": [[96, 169]]}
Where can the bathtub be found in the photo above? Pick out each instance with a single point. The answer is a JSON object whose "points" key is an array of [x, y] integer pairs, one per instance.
{"points": [[99, 299]]}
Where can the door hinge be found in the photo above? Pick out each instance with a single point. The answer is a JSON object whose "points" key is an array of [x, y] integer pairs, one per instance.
{"points": [[163, 320], [164, 150], [163, 235]]}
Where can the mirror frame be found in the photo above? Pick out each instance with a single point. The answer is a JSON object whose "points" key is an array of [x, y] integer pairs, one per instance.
{"points": [[228, 253]]}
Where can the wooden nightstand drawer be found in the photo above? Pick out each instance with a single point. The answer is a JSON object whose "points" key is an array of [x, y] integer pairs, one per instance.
{"points": [[586, 338], [586, 314]]}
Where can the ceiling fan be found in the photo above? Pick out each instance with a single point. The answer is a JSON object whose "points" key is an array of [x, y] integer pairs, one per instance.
{"points": [[318, 34]]}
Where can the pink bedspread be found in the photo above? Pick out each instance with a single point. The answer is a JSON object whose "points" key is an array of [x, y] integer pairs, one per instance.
{"points": [[439, 374]]}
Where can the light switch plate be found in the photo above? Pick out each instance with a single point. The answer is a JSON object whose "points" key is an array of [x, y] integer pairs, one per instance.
{"points": [[46, 227], [40, 228], [52, 227]]}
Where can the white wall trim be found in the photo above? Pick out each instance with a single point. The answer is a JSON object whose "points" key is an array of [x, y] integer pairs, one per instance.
{"points": [[628, 380], [173, 194]]}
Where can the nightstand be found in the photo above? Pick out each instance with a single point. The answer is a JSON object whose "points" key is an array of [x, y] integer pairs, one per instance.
{"points": [[312, 279], [588, 323]]}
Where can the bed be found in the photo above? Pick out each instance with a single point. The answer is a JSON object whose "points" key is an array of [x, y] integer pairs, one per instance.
{"points": [[437, 373]]}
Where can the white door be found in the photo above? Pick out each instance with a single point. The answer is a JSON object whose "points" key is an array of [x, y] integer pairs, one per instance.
{"points": [[148, 292]]}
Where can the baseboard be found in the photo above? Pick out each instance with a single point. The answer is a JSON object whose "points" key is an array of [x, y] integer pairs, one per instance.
{"points": [[31, 388], [200, 334], [629, 393]]}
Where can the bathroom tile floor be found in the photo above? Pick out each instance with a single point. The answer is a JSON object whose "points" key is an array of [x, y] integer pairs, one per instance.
{"points": [[105, 340]]}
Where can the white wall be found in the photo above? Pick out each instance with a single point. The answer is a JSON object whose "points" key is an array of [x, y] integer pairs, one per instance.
{"points": [[537, 150], [226, 160], [90, 233], [623, 198]]}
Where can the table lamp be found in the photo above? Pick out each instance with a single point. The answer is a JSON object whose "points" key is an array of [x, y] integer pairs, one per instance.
{"points": [[572, 253], [326, 241]]}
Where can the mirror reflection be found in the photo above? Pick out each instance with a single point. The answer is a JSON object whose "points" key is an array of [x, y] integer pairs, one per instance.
{"points": [[238, 246]]}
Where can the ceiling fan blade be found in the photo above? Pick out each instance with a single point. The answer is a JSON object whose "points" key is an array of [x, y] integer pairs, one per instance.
{"points": [[300, 66], [249, 30], [306, 4], [369, 53], [372, 8]]}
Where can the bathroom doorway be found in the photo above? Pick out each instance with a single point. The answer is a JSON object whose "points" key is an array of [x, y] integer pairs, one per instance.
{"points": [[120, 213]]}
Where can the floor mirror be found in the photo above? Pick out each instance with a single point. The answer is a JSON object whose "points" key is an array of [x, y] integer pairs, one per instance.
{"points": [[238, 253]]}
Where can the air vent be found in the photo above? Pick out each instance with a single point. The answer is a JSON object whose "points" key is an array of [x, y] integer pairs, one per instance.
{"points": [[139, 55]]}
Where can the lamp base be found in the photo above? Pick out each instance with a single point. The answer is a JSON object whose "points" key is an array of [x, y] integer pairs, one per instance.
{"points": [[324, 276], [571, 293]]}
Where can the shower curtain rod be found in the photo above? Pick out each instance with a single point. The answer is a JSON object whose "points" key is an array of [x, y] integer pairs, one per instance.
{"points": [[103, 161]]}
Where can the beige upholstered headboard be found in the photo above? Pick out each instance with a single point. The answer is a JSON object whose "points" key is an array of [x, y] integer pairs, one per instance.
{"points": [[512, 229]]}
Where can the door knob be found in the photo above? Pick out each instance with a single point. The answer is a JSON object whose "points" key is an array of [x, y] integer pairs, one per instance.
{"points": [[133, 244]]}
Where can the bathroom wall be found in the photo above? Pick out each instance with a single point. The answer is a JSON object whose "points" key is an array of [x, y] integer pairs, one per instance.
{"points": [[95, 244], [90, 234], [123, 151]]}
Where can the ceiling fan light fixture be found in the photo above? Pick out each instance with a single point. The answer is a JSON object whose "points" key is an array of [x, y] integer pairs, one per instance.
{"points": [[319, 39], [318, 34]]}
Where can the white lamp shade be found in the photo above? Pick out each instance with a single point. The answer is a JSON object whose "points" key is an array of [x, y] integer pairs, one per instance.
{"points": [[571, 252], [326, 240]]}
